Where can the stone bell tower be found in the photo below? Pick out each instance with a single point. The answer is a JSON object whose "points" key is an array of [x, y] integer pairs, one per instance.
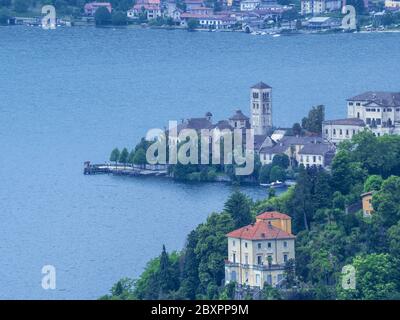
{"points": [[261, 108]]}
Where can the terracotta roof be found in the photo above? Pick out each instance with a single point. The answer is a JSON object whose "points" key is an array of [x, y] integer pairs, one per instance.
{"points": [[260, 230], [273, 215]]}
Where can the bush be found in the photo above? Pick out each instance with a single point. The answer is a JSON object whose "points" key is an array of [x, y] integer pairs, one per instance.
{"points": [[102, 16], [119, 18]]}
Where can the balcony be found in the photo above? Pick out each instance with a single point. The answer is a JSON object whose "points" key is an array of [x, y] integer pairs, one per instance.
{"points": [[259, 267]]}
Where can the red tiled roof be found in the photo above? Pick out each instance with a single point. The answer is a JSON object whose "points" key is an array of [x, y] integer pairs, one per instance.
{"points": [[273, 215], [260, 230]]}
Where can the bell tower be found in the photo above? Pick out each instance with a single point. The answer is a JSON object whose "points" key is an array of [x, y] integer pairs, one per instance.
{"points": [[261, 108]]}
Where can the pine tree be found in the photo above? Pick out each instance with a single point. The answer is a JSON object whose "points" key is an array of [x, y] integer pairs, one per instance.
{"points": [[238, 206]]}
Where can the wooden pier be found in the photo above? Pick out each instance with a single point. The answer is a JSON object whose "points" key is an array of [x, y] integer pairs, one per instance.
{"points": [[125, 170]]}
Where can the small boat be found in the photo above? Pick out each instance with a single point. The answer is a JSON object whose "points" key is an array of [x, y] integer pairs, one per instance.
{"points": [[276, 35], [276, 184]]}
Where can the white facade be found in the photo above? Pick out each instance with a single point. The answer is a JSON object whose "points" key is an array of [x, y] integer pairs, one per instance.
{"points": [[249, 5], [319, 6], [255, 262]]}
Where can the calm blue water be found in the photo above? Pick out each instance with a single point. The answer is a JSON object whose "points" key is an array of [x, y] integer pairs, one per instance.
{"points": [[71, 95]]}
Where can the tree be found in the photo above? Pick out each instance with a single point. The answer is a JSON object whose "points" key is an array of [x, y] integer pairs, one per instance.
{"points": [[281, 160], [140, 157], [192, 24], [164, 274], [102, 16], [386, 202], [375, 278], [115, 155], [373, 183], [290, 273], [313, 122], [123, 157], [238, 206], [211, 252], [119, 18], [264, 173], [277, 174], [296, 129], [4, 16], [358, 5], [190, 277], [21, 6]]}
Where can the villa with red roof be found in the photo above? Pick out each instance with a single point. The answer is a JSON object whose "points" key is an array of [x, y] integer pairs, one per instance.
{"points": [[258, 253]]}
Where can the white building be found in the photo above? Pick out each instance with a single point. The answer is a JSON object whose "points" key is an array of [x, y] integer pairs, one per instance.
{"points": [[249, 5], [316, 7], [378, 111], [258, 253]]}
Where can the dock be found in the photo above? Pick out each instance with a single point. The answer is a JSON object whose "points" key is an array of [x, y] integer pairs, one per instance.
{"points": [[125, 170]]}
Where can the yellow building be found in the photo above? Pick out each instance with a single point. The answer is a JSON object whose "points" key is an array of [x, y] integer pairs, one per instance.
{"points": [[258, 253], [367, 203]]}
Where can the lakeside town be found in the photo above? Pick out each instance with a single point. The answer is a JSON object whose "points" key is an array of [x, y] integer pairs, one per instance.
{"points": [[252, 16]]}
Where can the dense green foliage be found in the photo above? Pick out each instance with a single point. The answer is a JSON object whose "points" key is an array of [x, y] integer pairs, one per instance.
{"points": [[329, 235], [313, 122]]}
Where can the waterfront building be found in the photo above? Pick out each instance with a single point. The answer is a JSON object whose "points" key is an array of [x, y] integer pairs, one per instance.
{"points": [[316, 7], [209, 21], [392, 5], [152, 8], [258, 253], [193, 4], [378, 111], [90, 8], [318, 23], [366, 199], [316, 154], [249, 5], [307, 150]]}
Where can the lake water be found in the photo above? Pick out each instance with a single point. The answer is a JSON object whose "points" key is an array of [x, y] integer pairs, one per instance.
{"points": [[73, 94]]}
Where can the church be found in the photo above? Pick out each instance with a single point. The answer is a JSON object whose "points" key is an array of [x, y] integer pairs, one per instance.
{"points": [[260, 118]]}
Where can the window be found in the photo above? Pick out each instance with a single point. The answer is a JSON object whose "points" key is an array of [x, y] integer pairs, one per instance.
{"points": [[368, 120], [354, 131], [233, 243], [245, 244], [334, 132], [259, 245], [269, 245], [234, 258], [347, 132], [326, 131], [351, 103], [255, 95], [257, 279], [340, 131], [314, 158], [259, 259], [378, 122], [285, 258], [358, 104], [285, 244]]}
